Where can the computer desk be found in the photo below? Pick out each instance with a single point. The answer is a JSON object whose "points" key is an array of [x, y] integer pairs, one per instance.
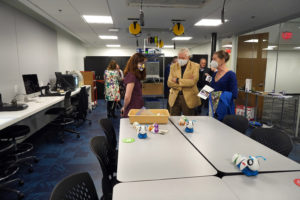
{"points": [[35, 115]]}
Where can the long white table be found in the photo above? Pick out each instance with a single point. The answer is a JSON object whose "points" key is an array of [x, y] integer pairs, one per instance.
{"points": [[270, 186], [218, 143], [208, 188], [159, 156], [34, 115]]}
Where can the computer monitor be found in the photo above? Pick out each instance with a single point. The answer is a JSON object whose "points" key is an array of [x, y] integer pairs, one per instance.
{"points": [[68, 82], [31, 83], [58, 76]]}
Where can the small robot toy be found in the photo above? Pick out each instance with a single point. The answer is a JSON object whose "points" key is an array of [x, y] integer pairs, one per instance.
{"points": [[136, 125], [182, 120], [155, 129], [142, 132], [249, 166], [189, 126]]}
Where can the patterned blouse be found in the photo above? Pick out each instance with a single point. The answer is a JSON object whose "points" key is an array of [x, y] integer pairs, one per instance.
{"points": [[112, 89]]}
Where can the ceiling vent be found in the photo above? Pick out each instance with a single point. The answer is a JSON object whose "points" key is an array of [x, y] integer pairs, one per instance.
{"points": [[169, 3]]}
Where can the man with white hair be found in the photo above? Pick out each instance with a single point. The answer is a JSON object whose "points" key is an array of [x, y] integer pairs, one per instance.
{"points": [[182, 80]]}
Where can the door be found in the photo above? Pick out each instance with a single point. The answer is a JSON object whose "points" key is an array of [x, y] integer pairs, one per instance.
{"points": [[251, 64]]}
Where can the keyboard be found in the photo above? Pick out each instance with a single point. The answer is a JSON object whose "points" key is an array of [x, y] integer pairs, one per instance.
{"points": [[51, 95], [12, 107]]}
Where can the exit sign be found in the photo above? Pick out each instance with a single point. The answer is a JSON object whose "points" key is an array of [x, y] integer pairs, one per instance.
{"points": [[286, 35]]}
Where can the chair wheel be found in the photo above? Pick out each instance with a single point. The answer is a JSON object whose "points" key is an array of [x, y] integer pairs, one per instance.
{"points": [[90, 123], [21, 196], [62, 141], [30, 170], [21, 182], [78, 136]]}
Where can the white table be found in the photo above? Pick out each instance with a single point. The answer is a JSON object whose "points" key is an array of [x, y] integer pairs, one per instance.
{"points": [[208, 188], [159, 156], [34, 115], [271, 186], [218, 143]]}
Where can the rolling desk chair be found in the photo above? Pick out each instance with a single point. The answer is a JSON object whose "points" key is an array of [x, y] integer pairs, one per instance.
{"points": [[83, 105], [237, 122], [274, 139], [8, 169], [12, 134], [99, 147], [66, 116], [77, 186], [111, 137]]}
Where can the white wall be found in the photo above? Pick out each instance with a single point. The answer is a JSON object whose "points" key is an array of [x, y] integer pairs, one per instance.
{"points": [[30, 47], [27, 46], [71, 53], [202, 49], [288, 73]]}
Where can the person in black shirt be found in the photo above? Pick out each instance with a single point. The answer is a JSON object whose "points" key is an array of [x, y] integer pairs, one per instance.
{"points": [[203, 73]]}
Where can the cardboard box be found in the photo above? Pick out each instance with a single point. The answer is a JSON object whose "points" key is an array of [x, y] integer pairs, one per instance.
{"points": [[153, 89]]}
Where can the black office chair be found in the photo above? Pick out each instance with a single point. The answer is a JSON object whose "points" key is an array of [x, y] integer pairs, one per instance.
{"points": [[14, 133], [75, 187], [99, 147], [83, 105], [237, 122], [110, 134], [66, 116], [8, 169], [274, 139]]}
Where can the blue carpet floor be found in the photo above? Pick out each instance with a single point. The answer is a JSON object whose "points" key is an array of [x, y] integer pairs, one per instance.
{"points": [[60, 160]]}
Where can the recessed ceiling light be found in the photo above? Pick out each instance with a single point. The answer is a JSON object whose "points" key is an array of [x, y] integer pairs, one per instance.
{"points": [[270, 48], [96, 19], [113, 30], [210, 22], [252, 41], [113, 45], [297, 48], [181, 38], [227, 46], [168, 47], [108, 37]]}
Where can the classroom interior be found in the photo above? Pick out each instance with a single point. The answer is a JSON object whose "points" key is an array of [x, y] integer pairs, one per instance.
{"points": [[58, 142]]}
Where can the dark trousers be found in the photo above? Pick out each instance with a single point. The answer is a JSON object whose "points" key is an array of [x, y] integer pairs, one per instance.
{"points": [[180, 107], [111, 106]]}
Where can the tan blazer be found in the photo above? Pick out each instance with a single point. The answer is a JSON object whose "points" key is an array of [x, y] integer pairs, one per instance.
{"points": [[187, 84]]}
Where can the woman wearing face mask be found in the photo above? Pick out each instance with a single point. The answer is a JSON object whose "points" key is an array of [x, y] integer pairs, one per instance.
{"points": [[223, 79], [134, 72]]}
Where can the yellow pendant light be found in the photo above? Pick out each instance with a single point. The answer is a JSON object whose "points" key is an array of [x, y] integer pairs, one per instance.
{"points": [[135, 28], [178, 29]]}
